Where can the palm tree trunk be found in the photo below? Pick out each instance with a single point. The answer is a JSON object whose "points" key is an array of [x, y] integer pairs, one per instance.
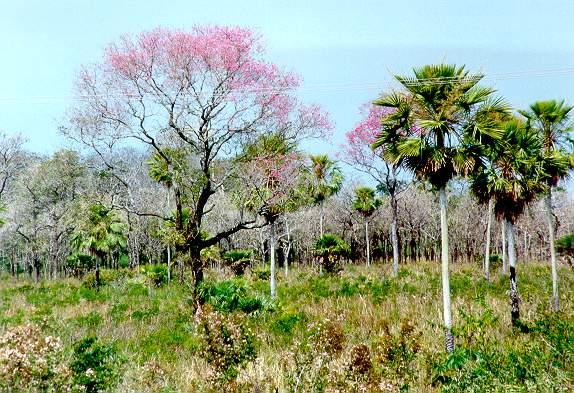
{"points": [[321, 218], [367, 241], [551, 229], [273, 283], [487, 247], [504, 253], [395, 235], [97, 272], [449, 338], [514, 298]]}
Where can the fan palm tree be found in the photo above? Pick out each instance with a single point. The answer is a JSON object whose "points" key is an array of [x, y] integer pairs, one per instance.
{"points": [[512, 179], [327, 181], [366, 203], [429, 129], [101, 233], [552, 120]]}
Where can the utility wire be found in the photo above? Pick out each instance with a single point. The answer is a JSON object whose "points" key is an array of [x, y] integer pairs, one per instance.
{"points": [[327, 87]]}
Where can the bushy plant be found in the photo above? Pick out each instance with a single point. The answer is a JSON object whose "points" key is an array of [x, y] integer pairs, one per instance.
{"points": [[30, 361], [262, 273], [310, 359], [330, 249], [78, 264], [227, 343], [231, 295], [106, 276], [238, 260], [155, 274], [95, 366]]}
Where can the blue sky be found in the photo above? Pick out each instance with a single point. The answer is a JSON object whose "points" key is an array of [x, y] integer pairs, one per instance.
{"points": [[358, 44]]}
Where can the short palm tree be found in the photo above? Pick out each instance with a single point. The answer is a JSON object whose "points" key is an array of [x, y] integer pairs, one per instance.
{"points": [[327, 181], [512, 179], [101, 233], [366, 203], [430, 130], [552, 120]]}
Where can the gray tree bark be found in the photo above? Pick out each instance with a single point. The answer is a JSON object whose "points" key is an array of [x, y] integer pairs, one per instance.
{"points": [[514, 297], [551, 231]]}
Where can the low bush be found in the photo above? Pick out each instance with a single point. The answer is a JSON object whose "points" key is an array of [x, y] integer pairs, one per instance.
{"points": [[30, 361], [95, 367], [155, 274], [227, 343], [238, 260], [231, 295]]}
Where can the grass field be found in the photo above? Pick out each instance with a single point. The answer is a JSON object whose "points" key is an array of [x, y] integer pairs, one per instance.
{"points": [[357, 331]]}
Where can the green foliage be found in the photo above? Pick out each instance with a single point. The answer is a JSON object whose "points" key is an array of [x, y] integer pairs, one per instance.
{"points": [[227, 342], [238, 260], [231, 295], [79, 263], [366, 202], [565, 245], [155, 273], [331, 248], [106, 277], [95, 367], [262, 273]]}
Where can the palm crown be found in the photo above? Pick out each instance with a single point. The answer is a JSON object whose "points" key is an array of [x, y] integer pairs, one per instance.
{"points": [[435, 120]]}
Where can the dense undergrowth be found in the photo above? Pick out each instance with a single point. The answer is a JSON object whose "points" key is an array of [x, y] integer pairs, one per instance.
{"points": [[356, 331]]}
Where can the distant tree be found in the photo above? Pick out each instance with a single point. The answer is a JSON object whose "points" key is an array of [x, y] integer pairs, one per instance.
{"points": [[430, 124], [327, 181], [330, 249], [358, 153], [513, 179], [552, 120], [100, 233], [366, 202], [274, 183]]}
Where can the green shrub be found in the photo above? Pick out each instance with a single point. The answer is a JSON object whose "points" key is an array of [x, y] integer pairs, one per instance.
{"points": [[238, 260], [227, 342], [231, 295], [262, 273], [95, 367], [78, 264], [155, 274], [106, 276], [330, 249]]}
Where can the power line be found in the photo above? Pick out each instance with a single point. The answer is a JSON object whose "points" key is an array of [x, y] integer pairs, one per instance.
{"points": [[326, 87]]}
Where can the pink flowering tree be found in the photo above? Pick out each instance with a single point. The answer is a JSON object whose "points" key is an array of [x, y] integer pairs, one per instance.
{"points": [[207, 92], [358, 153]]}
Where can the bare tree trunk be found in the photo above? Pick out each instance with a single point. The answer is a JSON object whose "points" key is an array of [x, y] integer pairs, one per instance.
{"points": [[367, 241], [504, 253], [273, 283], [97, 273], [321, 217], [514, 298], [395, 235], [551, 229], [287, 250], [487, 247], [449, 338], [168, 249]]}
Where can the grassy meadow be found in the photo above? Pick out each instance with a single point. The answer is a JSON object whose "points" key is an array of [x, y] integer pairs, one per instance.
{"points": [[358, 331]]}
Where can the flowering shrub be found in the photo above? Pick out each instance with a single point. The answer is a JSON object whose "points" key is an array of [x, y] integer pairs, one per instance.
{"points": [[226, 343], [30, 361]]}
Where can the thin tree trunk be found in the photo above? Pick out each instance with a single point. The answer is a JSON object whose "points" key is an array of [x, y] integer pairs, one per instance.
{"points": [[504, 253], [273, 283], [449, 338], [487, 248], [168, 246], [514, 299], [321, 217], [551, 229], [395, 235], [367, 241], [97, 273], [288, 250]]}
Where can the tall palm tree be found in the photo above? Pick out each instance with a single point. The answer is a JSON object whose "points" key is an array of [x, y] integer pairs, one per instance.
{"points": [[428, 130], [552, 120], [366, 203], [513, 179], [327, 179], [101, 233]]}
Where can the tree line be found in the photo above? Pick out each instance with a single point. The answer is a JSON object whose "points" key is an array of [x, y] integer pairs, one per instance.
{"points": [[186, 145]]}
